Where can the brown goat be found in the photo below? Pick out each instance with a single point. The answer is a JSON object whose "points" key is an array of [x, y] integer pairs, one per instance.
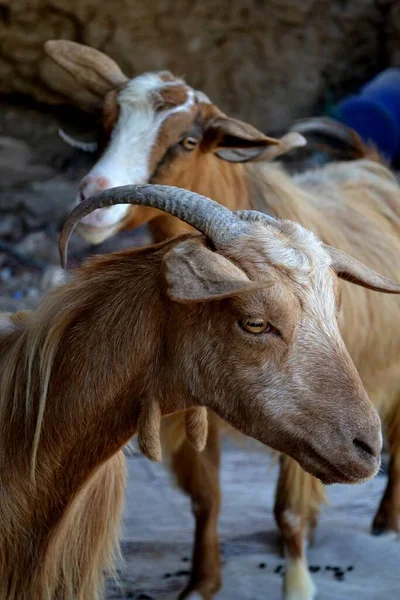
{"points": [[243, 319], [156, 128]]}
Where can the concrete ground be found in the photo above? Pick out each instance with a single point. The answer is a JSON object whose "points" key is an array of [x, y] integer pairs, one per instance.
{"points": [[158, 535]]}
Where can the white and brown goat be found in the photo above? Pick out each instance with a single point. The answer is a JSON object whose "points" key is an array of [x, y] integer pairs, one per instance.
{"points": [[242, 320], [156, 128]]}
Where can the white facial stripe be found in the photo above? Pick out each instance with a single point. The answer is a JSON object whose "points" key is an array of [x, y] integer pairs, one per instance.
{"points": [[126, 160], [202, 97]]}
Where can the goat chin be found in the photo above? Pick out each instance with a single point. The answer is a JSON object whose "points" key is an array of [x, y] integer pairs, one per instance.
{"points": [[96, 235]]}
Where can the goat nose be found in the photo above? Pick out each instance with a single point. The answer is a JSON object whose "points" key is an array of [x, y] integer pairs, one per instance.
{"points": [[92, 185], [368, 445]]}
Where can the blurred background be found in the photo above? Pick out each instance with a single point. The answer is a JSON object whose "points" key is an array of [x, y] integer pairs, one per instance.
{"points": [[268, 62]]}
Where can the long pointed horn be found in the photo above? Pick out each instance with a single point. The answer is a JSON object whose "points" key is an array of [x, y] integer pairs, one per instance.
{"points": [[90, 147], [218, 223], [331, 136], [350, 269]]}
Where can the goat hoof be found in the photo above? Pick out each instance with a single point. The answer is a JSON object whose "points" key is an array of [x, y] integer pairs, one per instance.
{"points": [[387, 533], [298, 584], [385, 524], [200, 593]]}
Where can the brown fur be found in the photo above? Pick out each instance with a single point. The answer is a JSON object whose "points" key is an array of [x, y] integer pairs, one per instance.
{"points": [[149, 426], [342, 203], [110, 352], [353, 206]]}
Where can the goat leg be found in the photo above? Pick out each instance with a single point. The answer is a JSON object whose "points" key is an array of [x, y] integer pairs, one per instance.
{"points": [[297, 505], [387, 517], [198, 476]]}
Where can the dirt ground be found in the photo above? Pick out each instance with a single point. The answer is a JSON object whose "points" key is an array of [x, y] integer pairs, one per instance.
{"points": [[39, 176]]}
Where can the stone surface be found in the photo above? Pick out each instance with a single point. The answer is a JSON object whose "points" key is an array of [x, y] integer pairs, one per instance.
{"points": [[268, 61]]}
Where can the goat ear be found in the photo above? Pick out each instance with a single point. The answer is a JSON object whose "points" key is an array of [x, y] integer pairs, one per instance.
{"points": [[93, 69], [349, 269], [193, 273], [236, 141]]}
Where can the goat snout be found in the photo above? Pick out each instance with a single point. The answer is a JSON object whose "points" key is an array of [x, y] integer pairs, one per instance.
{"points": [[91, 185], [99, 224], [363, 457], [368, 445]]}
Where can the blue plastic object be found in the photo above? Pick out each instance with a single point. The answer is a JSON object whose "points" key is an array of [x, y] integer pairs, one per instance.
{"points": [[375, 112]]}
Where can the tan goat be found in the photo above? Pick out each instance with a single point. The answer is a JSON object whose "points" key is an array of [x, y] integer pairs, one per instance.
{"points": [[156, 128], [242, 320]]}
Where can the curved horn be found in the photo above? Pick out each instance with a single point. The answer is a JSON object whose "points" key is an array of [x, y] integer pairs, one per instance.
{"points": [[90, 147], [254, 216], [350, 269], [218, 223]]}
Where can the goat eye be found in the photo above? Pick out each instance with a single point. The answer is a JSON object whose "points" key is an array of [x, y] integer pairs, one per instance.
{"points": [[189, 143], [253, 325]]}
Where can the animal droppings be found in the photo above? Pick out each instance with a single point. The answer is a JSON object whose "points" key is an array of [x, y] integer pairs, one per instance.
{"points": [[314, 569]]}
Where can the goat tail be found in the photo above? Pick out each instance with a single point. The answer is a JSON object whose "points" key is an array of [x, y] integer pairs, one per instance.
{"points": [[85, 544], [337, 139]]}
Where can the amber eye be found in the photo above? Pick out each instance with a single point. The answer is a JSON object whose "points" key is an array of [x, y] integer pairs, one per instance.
{"points": [[254, 325], [189, 143]]}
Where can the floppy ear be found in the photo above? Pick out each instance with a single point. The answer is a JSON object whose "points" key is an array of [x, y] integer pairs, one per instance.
{"points": [[193, 273], [94, 70], [348, 268], [236, 141]]}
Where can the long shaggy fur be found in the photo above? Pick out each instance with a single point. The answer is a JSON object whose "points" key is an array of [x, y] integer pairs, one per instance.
{"points": [[61, 502], [70, 564]]}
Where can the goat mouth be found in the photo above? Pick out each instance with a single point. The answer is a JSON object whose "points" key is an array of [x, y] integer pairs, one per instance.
{"points": [[327, 472], [95, 234]]}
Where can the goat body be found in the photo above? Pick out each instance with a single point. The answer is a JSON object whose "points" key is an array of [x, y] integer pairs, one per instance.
{"points": [[354, 206], [141, 334]]}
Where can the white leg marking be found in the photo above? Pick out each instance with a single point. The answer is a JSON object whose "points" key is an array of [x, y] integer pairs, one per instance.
{"points": [[194, 596], [298, 584]]}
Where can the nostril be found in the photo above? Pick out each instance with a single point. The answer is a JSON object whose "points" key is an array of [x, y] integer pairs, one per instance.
{"points": [[360, 445]]}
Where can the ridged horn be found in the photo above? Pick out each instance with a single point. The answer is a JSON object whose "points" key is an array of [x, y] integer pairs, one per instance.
{"points": [[215, 221], [254, 216]]}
